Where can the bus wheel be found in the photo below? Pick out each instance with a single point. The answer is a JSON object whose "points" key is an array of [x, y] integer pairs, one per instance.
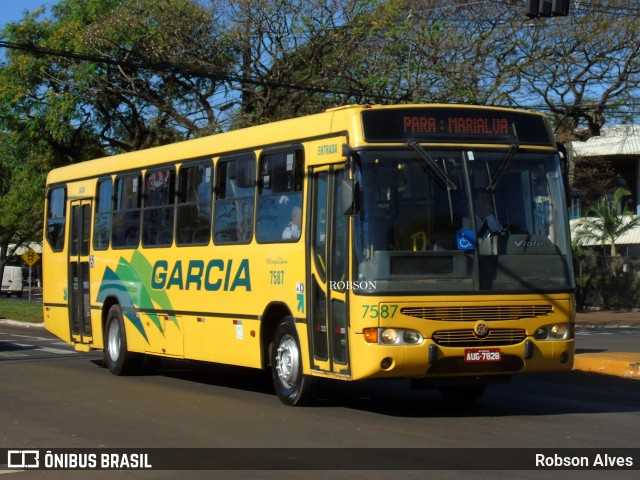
{"points": [[292, 386], [462, 394], [118, 360]]}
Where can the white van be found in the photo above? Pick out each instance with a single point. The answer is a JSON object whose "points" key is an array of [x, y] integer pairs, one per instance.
{"points": [[12, 281]]}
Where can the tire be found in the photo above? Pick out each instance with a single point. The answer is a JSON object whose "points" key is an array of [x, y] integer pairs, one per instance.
{"points": [[462, 394], [116, 357], [293, 387]]}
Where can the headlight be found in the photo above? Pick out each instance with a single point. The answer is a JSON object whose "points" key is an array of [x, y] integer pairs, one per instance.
{"points": [[392, 336], [412, 337], [558, 331], [540, 333], [389, 335]]}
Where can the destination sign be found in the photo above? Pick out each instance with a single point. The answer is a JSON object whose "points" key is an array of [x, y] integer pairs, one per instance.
{"points": [[454, 124]]}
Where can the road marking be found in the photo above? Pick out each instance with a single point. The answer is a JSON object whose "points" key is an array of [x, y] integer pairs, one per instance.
{"points": [[55, 350], [28, 336], [13, 354], [33, 348]]}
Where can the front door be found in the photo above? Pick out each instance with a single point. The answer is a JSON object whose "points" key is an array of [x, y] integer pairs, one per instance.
{"points": [[328, 273], [79, 263]]}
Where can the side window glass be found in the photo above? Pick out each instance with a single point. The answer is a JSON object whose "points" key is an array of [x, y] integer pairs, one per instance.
{"points": [[279, 216], [319, 233], [339, 271], [157, 217], [56, 218], [126, 214], [195, 193], [234, 200], [102, 219]]}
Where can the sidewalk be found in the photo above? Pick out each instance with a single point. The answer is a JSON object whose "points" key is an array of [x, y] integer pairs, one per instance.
{"points": [[620, 364], [608, 319]]}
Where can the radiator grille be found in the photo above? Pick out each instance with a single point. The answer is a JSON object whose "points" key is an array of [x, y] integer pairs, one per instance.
{"points": [[478, 312], [467, 338]]}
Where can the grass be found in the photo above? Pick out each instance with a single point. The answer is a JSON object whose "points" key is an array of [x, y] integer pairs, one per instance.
{"points": [[21, 310]]}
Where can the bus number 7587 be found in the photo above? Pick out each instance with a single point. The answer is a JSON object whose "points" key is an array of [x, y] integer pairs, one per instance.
{"points": [[382, 311]]}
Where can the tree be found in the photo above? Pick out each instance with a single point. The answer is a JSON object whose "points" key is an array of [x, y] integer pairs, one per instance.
{"points": [[106, 76], [171, 64], [606, 222], [294, 56], [98, 77], [176, 69], [585, 68], [21, 198], [592, 177], [584, 271]]}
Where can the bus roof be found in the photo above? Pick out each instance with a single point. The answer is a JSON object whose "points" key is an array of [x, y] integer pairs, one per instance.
{"points": [[332, 121]]}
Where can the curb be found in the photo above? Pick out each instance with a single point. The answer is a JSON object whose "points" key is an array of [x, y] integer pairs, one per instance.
{"points": [[619, 364], [18, 323]]}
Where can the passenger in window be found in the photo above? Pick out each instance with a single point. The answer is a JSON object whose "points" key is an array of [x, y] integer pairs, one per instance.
{"points": [[293, 230]]}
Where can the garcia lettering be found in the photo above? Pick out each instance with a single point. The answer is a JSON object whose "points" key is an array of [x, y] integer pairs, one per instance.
{"points": [[213, 276]]}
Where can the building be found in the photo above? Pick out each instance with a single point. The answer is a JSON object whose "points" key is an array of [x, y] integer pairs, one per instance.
{"points": [[621, 146]]}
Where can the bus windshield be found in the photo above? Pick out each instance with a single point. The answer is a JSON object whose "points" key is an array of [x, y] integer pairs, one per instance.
{"points": [[451, 220]]}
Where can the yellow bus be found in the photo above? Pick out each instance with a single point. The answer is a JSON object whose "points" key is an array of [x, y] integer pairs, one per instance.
{"points": [[426, 242]]}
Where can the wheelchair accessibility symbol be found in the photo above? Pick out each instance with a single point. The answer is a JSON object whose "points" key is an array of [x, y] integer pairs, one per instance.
{"points": [[466, 239]]}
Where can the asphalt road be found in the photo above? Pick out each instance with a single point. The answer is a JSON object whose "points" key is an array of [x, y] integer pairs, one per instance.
{"points": [[55, 398], [607, 339]]}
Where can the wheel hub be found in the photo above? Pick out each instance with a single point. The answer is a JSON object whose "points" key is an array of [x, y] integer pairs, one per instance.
{"points": [[288, 361], [114, 341]]}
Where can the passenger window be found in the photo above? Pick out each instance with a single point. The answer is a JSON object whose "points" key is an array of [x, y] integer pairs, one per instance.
{"points": [[195, 194], [157, 217], [126, 215], [56, 218], [279, 216], [234, 200], [102, 219]]}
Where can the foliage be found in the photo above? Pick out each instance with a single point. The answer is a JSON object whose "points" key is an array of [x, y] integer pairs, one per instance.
{"points": [[96, 77], [605, 222], [608, 282], [90, 80], [592, 178], [615, 279], [22, 175], [585, 269]]}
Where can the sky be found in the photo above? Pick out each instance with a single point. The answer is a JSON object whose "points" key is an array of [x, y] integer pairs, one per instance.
{"points": [[13, 10]]}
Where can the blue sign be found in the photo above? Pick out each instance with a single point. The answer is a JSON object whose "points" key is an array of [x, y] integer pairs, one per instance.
{"points": [[466, 239]]}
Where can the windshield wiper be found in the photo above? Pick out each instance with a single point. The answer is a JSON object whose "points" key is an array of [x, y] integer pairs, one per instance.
{"points": [[439, 173], [497, 175]]}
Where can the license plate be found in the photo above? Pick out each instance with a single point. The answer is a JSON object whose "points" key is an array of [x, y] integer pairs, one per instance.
{"points": [[482, 355]]}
